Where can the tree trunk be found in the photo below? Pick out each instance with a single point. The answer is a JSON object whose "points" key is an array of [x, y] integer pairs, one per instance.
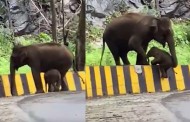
{"points": [[80, 44], [63, 33], [54, 24], [157, 7]]}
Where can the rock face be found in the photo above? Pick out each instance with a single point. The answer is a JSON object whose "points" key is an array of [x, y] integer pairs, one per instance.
{"points": [[27, 19], [25, 16], [98, 9]]}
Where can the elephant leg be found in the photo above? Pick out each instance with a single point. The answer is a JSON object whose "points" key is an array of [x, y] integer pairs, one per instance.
{"points": [[49, 87], [140, 59], [37, 80], [163, 72], [63, 84], [115, 53], [139, 48], [155, 61], [55, 87], [124, 58], [13, 88], [116, 58]]}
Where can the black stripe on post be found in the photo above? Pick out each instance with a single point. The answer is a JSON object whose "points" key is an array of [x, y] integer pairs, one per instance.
{"points": [[2, 90], [65, 80], [15, 93], [77, 82], [142, 81], [103, 79], [156, 77], [127, 77], [186, 76], [93, 82], [171, 79], [24, 84], [114, 80]]}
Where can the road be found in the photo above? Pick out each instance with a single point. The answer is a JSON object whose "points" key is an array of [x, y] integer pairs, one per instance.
{"points": [[50, 107], [70, 107], [179, 104], [147, 107]]}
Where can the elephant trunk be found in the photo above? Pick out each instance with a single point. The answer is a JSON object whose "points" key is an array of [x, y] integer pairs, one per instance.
{"points": [[12, 76], [172, 51], [148, 55]]}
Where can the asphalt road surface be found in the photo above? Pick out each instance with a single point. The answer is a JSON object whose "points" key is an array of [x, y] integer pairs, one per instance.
{"points": [[179, 104], [50, 107], [154, 107], [70, 107]]}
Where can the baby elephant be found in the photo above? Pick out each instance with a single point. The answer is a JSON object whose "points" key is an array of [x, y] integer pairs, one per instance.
{"points": [[162, 58], [52, 78]]}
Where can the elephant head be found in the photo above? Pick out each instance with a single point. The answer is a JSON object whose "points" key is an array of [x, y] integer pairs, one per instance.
{"points": [[153, 52], [163, 33], [18, 58]]}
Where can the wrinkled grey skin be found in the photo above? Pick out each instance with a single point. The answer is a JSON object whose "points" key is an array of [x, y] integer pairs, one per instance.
{"points": [[41, 58], [133, 31], [162, 58], [52, 78]]}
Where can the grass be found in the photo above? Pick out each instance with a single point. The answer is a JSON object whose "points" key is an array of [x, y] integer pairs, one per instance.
{"points": [[93, 52], [93, 57]]}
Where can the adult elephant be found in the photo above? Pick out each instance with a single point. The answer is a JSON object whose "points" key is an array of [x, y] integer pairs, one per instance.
{"points": [[41, 58], [134, 31]]}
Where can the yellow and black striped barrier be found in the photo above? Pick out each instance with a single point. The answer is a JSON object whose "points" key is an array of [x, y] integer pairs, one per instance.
{"points": [[117, 80], [109, 80], [25, 83]]}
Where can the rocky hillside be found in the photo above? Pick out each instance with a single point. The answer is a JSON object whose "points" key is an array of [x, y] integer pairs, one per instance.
{"points": [[33, 16]]}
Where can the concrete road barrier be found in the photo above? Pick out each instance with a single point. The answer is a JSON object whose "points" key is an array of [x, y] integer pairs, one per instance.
{"points": [[109, 80], [118, 80], [25, 83]]}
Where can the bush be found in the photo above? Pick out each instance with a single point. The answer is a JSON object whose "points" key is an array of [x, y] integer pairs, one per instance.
{"points": [[181, 33], [6, 47]]}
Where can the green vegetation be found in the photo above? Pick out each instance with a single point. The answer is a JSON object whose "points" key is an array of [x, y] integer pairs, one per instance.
{"points": [[94, 45], [181, 36]]}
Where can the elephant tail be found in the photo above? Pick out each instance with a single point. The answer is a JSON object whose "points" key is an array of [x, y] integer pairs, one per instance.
{"points": [[75, 70], [103, 48]]}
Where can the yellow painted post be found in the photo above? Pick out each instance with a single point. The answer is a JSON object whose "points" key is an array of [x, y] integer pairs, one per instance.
{"points": [[149, 78], [121, 79], [134, 80], [98, 81], [108, 77]]}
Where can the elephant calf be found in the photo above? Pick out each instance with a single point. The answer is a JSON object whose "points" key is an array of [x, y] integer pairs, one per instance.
{"points": [[162, 58], [52, 78]]}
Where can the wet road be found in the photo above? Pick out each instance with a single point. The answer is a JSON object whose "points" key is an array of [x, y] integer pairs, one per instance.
{"points": [[179, 104], [50, 107], [55, 107]]}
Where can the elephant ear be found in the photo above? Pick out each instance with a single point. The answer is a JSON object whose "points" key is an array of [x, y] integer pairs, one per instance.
{"points": [[23, 56], [154, 25], [20, 54]]}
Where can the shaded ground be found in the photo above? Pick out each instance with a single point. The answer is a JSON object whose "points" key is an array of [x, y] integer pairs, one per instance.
{"points": [[179, 104], [51, 107], [58, 107], [130, 108]]}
